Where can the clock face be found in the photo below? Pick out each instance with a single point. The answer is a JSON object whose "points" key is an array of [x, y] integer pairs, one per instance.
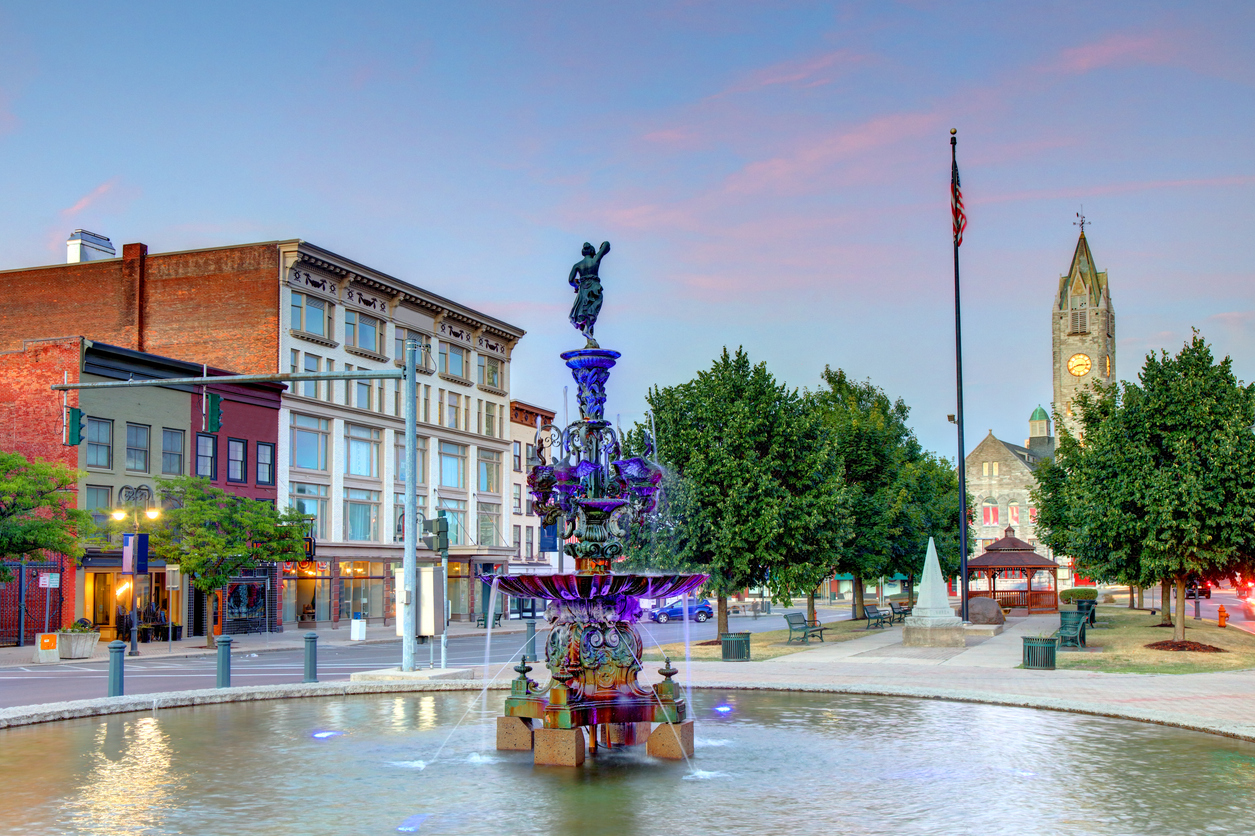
{"points": [[1079, 365]]}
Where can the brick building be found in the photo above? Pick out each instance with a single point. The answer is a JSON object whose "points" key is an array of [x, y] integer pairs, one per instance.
{"points": [[291, 306]]}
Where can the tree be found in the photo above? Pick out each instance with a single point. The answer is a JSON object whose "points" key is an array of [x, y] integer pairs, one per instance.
{"points": [[212, 534], [37, 511], [926, 499], [748, 456], [1159, 483]]}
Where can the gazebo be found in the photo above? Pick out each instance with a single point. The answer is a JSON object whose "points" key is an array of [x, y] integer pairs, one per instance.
{"points": [[1012, 554]]}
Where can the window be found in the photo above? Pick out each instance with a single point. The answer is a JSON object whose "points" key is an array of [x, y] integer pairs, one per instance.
{"points": [[518, 457], [265, 463], [454, 414], [311, 500], [296, 361], [518, 499], [330, 390], [531, 454], [455, 511], [363, 450], [984, 468], [98, 504], [489, 518], [361, 514], [490, 371], [490, 419], [995, 468], [309, 442], [362, 331], [309, 388], [99, 443], [489, 471], [361, 394], [207, 456], [309, 314], [531, 532], [137, 448], [1032, 515], [237, 460], [421, 444], [452, 360], [172, 452], [990, 512], [452, 465], [1013, 513], [398, 515], [403, 334]]}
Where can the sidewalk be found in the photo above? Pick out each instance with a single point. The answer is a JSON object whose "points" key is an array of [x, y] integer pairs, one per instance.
{"points": [[291, 639]]}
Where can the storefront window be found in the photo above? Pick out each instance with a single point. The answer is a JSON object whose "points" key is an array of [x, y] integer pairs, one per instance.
{"points": [[362, 590], [306, 592]]}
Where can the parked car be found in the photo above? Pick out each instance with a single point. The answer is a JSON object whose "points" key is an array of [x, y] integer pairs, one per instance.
{"points": [[1196, 589], [698, 610]]}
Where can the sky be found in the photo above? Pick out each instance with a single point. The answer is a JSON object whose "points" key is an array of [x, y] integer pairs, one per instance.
{"points": [[770, 175]]}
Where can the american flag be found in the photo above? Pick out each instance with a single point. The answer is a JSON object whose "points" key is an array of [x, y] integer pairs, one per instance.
{"points": [[956, 204]]}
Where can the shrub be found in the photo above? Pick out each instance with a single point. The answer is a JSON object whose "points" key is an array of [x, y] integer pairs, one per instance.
{"points": [[78, 627], [1080, 593]]}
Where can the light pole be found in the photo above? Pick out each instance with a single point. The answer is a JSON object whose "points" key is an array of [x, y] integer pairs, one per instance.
{"points": [[134, 497]]}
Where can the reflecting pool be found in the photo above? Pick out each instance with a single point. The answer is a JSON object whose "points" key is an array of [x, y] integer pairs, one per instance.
{"points": [[766, 762]]}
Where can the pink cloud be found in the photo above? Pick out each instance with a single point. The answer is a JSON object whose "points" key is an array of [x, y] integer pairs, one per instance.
{"points": [[1118, 49], [90, 198], [811, 72], [1115, 188]]}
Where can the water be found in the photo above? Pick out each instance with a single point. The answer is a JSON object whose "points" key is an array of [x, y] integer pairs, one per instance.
{"points": [[772, 763]]}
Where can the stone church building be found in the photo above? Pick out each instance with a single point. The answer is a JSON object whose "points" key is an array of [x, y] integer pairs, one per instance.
{"points": [[1000, 473]]}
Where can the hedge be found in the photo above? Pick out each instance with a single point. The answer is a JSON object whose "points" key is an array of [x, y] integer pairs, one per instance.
{"points": [[1080, 593]]}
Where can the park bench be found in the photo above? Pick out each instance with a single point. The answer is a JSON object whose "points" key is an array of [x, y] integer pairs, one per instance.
{"points": [[797, 624], [1071, 630], [876, 617], [899, 612], [482, 621]]}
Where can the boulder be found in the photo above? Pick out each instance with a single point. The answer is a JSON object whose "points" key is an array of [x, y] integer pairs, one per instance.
{"points": [[984, 611]]}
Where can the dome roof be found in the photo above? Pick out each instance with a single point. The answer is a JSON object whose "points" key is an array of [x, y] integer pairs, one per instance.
{"points": [[1039, 414]]}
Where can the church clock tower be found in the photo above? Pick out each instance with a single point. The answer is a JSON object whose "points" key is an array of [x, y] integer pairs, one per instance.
{"points": [[1084, 331]]}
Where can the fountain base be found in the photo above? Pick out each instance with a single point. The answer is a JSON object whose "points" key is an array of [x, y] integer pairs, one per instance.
{"points": [[514, 734], [558, 747], [671, 741]]}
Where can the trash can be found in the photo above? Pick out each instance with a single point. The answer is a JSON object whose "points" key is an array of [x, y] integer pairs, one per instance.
{"points": [[357, 630], [1039, 652], [736, 647], [1087, 606]]}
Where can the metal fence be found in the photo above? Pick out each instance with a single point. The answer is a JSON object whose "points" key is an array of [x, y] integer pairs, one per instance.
{"points": [[25, 606]]}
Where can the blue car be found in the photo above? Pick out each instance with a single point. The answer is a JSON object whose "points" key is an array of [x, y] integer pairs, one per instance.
{"points": [[698, 611]]}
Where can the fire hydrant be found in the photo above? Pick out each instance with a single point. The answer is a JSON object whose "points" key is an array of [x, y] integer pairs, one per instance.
{"points": [[1223, 614]]}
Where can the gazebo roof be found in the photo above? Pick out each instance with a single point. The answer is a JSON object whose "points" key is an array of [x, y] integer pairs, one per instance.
{"points": [[1010, 553]]}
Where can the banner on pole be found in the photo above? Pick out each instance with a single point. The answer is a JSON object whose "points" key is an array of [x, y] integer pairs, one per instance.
{"points": [[549, 538], [128, 554]]}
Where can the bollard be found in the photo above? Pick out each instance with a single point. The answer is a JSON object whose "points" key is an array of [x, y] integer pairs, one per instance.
{"points": [[529, 647], [116, 649], [224, 661], [311, 657]]}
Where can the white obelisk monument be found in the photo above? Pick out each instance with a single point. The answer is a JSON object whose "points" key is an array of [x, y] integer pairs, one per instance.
{"points": [[932, 622]]}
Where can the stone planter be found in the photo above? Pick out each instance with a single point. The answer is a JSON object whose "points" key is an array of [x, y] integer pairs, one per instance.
{"points": [[77, 645]]}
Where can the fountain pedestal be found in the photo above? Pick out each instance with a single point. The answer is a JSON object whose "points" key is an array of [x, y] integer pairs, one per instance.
{"points": [[932, 622]]}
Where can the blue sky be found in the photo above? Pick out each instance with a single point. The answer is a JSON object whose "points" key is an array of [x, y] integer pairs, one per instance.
{"points": [[771, 175]]}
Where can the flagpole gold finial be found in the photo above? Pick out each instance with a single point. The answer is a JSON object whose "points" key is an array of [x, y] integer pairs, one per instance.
{"points": [[953, 131]]}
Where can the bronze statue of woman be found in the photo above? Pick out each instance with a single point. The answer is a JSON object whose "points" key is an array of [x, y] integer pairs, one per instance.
{"points": [[587, 285]]}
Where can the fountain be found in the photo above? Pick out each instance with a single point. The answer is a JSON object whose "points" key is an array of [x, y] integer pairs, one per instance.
{"points": [[581, 481]]}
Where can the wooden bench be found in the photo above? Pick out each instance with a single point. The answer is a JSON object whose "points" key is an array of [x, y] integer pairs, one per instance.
{"points": [[876, 617], [482, 621], [797, 624], [899, 612]]}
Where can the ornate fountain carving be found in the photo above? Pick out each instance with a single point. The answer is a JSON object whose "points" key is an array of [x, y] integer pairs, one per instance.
{"points": [[581, 481]]}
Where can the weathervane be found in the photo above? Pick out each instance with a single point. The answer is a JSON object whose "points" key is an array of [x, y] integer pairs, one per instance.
{"points": [[1080, 220]]}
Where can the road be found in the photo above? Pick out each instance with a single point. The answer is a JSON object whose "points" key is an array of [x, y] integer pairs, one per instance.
{"points": [[1241, 611], [29, 685]]}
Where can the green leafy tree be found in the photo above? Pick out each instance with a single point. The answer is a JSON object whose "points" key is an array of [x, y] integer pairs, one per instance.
{"points": [[926, 504], [1159, 484], [211, 534], [38, 516], [744, 456]]}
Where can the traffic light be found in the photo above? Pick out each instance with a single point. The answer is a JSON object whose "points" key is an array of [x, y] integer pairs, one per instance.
{"points": [[310, 548], [213, 413], [437, 538], [76, 427]]}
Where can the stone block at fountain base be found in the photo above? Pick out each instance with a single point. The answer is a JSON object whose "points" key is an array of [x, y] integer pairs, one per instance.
{"points": [[948, 636], [514, 734], [629, 734], [558, 747], [673, 741]]}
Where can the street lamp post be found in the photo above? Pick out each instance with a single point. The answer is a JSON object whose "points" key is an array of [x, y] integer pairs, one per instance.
{"points": [[134, 497]]}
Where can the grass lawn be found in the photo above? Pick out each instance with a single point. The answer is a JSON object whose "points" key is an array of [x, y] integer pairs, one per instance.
{"points": [[762, 645], [1123, 646]]}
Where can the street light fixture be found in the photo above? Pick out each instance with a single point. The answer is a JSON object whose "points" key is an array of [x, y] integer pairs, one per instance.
{"points": [[136, 498]]}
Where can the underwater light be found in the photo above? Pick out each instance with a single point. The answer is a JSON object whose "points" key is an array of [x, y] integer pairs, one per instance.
{"points": [[723, 709], [411, 824], [323, 735]]}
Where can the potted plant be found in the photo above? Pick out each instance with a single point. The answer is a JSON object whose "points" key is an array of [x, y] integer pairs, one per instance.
{"points": [[77, 641]]}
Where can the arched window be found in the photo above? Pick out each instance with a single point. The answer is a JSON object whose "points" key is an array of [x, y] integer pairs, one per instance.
{"points": [[990, 512], [1013, 513]]}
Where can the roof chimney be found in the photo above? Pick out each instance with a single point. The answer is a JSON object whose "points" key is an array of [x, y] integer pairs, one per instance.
{"points": [[87, 246]]}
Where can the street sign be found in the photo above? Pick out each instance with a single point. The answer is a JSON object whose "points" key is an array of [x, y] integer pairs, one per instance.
{"points": [[173, 578], [49, 580]]}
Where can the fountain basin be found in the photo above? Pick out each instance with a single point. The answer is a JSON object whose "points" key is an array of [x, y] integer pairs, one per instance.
{"points": [[587, 587]]}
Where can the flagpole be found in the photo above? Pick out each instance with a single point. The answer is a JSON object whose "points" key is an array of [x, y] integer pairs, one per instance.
{"points": [[957, 211]]}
